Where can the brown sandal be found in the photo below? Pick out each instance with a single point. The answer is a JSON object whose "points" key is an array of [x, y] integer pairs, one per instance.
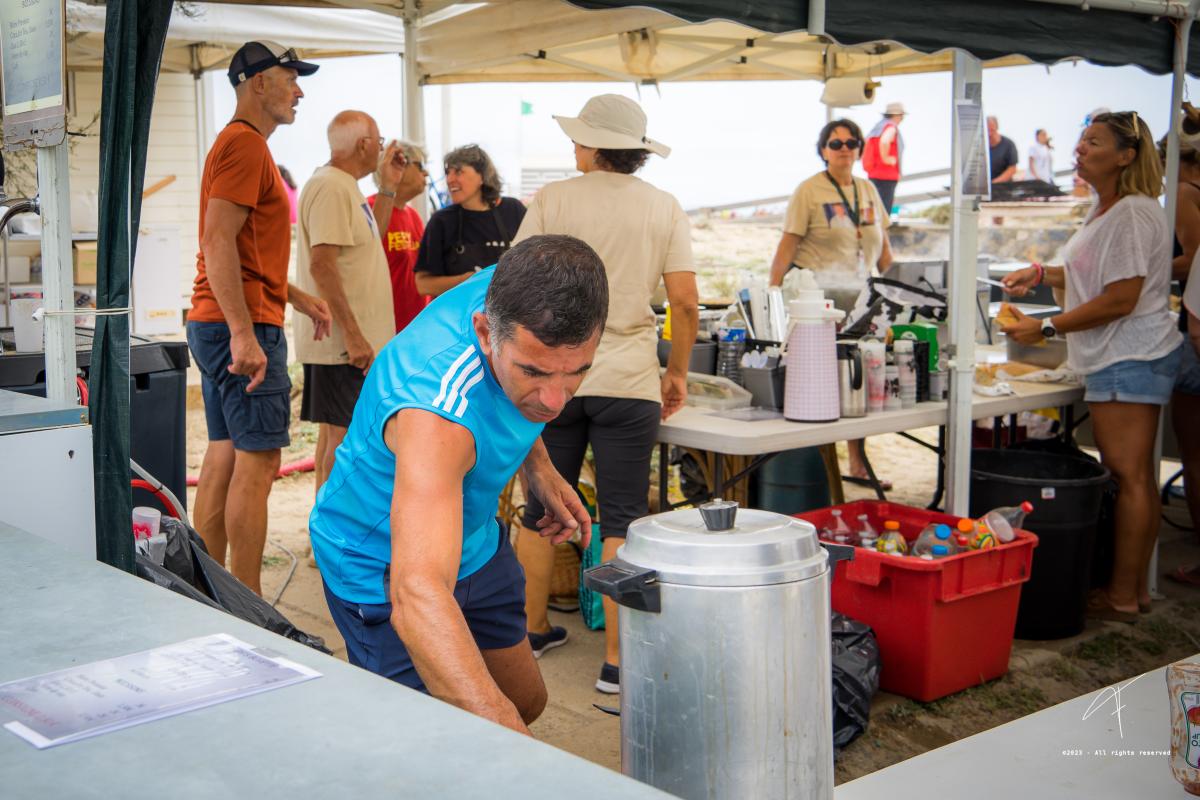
{"points": [[1189, 576], [1099, 608]]}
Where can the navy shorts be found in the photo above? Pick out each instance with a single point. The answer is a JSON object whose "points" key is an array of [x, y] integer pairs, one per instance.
{"points": [[492, 602], [254, 421], [1188, 380], [622, 433], [1148, 382]]}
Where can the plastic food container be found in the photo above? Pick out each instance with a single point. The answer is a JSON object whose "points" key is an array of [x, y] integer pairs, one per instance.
{"points": [[943, 625]]}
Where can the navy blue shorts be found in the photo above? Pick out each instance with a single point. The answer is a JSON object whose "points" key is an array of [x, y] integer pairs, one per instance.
{"points": [[492, 601], [254, 421]]}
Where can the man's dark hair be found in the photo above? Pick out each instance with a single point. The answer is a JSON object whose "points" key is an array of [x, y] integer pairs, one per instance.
{"points": [[554, 286], [625, 162]]}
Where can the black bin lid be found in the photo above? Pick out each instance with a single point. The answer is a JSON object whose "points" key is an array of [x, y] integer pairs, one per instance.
{"points": [[145, 356]]}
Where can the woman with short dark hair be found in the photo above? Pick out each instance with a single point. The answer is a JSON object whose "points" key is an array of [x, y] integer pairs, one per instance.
{"points": [[474, 232], [836, 221]]}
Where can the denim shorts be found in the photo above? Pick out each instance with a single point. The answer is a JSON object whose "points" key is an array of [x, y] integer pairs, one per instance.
{"points": [[492, 601], [1149, 382], [254, 421], [1188, 381]]}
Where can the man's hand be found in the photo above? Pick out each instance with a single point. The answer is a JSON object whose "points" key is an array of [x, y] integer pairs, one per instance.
{"points": [[315, 309], [247, 358], [674, 393], [565, 513], [1026, 330], [391, 168], [360, 352]]}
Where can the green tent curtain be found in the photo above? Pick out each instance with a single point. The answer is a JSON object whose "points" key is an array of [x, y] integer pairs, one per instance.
{"points": [[985, 28], [135, 32]]}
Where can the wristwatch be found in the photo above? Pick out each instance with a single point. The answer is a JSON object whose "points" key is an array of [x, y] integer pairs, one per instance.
{"points": [[386, 193], [1048, 329]]}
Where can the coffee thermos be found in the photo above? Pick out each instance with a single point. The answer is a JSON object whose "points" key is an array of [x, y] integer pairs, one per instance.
{"points": [[852, 383]]}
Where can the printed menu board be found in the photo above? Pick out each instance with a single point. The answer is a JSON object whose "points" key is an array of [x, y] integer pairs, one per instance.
{"points": [[31, 46]]}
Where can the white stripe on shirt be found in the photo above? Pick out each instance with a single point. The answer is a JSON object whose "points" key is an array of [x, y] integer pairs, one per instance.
{"points": [[449, 376]]}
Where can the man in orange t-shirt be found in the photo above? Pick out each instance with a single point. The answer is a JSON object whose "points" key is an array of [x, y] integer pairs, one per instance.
{"points": [[235, 326]]}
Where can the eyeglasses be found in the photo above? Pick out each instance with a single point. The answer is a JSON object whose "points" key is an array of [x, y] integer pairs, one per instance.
{"points": [[368, 138], [838, 144]]}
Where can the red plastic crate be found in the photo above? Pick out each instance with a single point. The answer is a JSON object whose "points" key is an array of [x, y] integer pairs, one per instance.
{"points": [[942, 625]]}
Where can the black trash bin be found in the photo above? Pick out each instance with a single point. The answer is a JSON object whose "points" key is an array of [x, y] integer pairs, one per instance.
{"points": [[1066, 494], [157, 401]]}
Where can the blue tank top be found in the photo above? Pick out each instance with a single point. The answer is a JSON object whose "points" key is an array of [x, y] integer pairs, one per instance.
{"points": [[435, 364]]}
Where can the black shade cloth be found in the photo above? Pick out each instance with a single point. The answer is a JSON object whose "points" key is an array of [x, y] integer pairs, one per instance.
{"points": [[988, 29], [135, 32]]}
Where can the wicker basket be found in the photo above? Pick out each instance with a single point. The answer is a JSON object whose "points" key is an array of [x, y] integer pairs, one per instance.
{"points": [[564, 581]]}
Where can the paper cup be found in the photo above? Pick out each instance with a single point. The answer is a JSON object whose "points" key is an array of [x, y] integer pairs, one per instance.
{"points": [[146, 522], [27, 331], [1183, 689]]}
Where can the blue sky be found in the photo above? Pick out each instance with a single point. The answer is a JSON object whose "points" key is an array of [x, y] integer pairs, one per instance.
{"points": [[730, 141]]}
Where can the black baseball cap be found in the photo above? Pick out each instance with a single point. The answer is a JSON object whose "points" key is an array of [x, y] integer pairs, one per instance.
{"points": [[255, 57]]}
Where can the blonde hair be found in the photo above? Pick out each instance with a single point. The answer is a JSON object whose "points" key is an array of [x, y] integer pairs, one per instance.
{"points": [[1144, 175]]}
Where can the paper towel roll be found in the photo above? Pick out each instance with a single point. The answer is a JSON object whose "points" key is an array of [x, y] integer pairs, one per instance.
{"points": [[844, 92]]}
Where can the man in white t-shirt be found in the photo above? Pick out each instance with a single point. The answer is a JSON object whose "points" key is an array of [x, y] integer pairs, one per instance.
{"points": [[340, 258], [643, 237], [1041, 157]]}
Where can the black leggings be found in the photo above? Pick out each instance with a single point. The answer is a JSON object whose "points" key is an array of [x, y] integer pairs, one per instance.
{"points": [[622, 434]]}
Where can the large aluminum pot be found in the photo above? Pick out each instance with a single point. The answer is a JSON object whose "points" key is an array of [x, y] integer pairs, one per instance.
{"points": [[725, 653]]}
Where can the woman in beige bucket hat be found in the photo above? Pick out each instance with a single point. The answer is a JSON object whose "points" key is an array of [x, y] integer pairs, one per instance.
{"points": [[643, 237]]}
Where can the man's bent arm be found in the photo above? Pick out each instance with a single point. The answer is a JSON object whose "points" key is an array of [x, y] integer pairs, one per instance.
{"points": [[223, 221], [432, 457], [323, 265]]}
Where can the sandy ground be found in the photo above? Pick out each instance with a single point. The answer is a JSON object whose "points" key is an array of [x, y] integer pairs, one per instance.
{"points": [[1041, 673]]}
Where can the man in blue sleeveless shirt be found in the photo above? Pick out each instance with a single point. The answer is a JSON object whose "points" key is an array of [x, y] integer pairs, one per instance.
{"points": [[405, 530]]}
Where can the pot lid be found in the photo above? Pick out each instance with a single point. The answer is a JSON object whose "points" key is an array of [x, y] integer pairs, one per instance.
{"points": [[719, 544]]}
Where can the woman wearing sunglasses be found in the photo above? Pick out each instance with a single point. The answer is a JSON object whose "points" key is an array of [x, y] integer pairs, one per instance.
{"points": [[836, 221]]}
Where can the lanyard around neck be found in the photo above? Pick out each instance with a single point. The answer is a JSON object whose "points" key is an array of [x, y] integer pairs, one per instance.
{"points": [[852, 211]]}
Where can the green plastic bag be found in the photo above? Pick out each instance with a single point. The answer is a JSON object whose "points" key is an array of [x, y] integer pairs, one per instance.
{"points": [[591, 604]]}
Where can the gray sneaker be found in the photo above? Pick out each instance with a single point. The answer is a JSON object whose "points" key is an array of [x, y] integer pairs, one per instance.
{"points": [[541, 642], [609, 681]]}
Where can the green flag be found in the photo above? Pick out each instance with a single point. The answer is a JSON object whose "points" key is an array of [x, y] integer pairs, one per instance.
{"points": [[526, 108]]}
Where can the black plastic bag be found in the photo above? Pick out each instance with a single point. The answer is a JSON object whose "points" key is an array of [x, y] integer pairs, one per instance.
{"points": [[189, 570], [856, 667]]}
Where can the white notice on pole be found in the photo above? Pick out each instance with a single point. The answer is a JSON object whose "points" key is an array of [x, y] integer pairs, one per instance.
{"points": [[105, 696], [976, 178]]}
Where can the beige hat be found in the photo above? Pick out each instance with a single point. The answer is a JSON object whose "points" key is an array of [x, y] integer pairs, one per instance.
{"points": [[611, 122], [894, 108]]}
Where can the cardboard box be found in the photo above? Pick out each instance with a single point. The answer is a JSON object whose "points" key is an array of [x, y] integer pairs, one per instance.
{"points": [[18, 269], [85, 263]]}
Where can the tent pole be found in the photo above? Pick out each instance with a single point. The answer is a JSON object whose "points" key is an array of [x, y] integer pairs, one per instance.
{"points": [[58, 279], [1183, 34], [414, 108], [961, 273]]}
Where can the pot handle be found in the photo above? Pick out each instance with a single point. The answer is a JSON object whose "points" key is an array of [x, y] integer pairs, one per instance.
{"points": [[838, 552], [630, 586]]}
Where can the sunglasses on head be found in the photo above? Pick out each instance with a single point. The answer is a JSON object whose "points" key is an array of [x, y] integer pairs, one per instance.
{"points": [[838, 144]]}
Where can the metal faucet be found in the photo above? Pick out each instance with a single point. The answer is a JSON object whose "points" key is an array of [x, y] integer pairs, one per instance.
{"points": [[18, 205]]}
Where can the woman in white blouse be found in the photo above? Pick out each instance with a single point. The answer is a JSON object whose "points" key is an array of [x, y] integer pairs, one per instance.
{"points": [[1120, 334]]}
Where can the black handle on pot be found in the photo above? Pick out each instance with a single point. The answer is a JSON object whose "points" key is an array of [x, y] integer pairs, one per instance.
{"points": [[630, 586], [838, 552]]}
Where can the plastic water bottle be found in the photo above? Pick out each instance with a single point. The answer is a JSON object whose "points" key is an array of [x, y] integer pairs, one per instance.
{"points": [[892, 541], [1005, 521], [977, 536], [838, 530], [934, 535], [867, 535], [731, 344]]}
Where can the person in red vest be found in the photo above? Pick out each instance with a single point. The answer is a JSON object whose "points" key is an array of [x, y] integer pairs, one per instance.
{"points": [[882, 154]]}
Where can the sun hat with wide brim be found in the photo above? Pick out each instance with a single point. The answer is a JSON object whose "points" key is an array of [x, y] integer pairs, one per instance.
{"points": [[611, 122]]}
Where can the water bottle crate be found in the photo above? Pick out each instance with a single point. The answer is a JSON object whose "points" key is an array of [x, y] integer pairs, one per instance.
{"points": [[942, 625]]}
